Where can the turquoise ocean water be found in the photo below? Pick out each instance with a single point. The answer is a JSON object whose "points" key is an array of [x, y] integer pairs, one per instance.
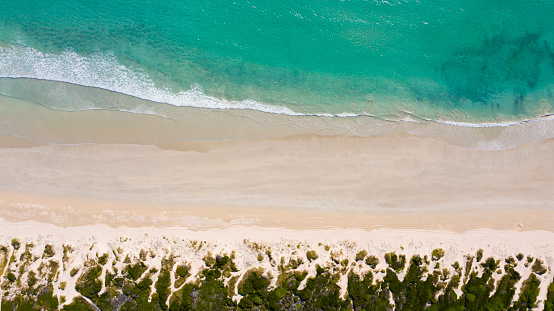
{"points": [[461, 61]]}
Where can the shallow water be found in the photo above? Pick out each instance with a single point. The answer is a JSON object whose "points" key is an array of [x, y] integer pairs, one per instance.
{"points": [[463, 61]]}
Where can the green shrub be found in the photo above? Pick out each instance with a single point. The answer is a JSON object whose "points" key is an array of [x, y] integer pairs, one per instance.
{"points": [[48, 251], [162, 287], [549, 302], [135, 271], [490, 264], [11, 277], [311, 255], [397, 263], [88, 283], [361, 255], [16, 244], [102, 260], [479, 255], [73, 272], [182, 271], [538, 267], [529, 293], [437, 254], [372, 261]]}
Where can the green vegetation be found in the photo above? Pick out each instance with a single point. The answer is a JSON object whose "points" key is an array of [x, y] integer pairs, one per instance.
{"points": [[322, 292], [412, 285], [11, 277], [182, 271], [102, 260], [135, 271], [16, 244], [397, 263], [88, 283], [549, 302], [529, 293], [437, 254], [372, 261], [253, 288], [361, 255], [311, 255], [538, 267], [366, 295], [73, 272], [479, 255], [415, 291], [49, 251]]}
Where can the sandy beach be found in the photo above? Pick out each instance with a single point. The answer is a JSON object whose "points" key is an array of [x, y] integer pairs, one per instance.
{"points": [[308, 181]]}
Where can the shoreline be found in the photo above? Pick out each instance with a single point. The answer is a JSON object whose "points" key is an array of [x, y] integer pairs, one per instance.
{"points": [[88, 115]]}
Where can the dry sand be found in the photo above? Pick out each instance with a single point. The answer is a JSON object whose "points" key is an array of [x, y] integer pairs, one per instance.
{"points": [[387, 193], [300, 182]]}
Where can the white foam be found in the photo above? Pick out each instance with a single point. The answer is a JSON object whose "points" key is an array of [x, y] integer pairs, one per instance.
{"points": [[102, 70]]}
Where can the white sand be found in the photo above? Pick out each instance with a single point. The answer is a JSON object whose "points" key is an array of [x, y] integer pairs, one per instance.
{"points": [[298, 182], [343, 244]]}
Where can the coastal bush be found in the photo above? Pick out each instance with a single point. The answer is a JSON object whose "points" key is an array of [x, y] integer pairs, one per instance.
{"points": [[417, 289], [361, 255], [88, 283], [490, 265], [224, 263], [254, 289], [135, 271], [73, 272], [182, 271], [31, 278], [437, 254], [322, 293], [511, 261], [529, 293], [372, 261], [397, 263], [413, 293], [16, 244], [48, 251], [162, 287], [311, 255], [479, 255], [505, 291], [538, 267], [477, 290], [102, 260], [549, 302], [212, 294], [78, 304], [11, 277], [366, 295]]}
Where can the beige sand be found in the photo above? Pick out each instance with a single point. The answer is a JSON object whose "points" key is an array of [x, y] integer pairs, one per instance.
{"points": [[398, 181]]}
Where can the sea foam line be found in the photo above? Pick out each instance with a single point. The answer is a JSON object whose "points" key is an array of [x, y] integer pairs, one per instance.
{"points": [[102, 70]]}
